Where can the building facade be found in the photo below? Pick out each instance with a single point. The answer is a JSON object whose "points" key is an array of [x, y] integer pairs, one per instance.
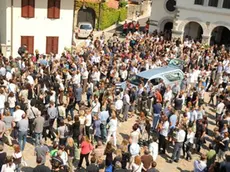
{"points": [[45, 25], [205, 20]]}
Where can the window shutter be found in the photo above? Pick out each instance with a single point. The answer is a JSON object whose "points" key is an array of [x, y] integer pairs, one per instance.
{"points": [[31, 7], [55, 45], [50, 12], [24, 8], [30, 45], [57, 7], [48, 44], [23, 40]]}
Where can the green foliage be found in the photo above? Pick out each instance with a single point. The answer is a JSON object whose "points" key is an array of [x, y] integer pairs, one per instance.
{"points": [[122, 3], [108, 16], [123, 14]]}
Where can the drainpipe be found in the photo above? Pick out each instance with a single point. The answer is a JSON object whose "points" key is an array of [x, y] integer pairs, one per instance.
{"points": [[12, 32]]}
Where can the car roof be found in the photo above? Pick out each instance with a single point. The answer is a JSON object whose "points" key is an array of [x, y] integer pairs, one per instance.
{"points": [[84, 23], [156, 71]]}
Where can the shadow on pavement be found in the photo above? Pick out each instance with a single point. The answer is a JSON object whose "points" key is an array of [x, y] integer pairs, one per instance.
{"points": [[27, 169]]}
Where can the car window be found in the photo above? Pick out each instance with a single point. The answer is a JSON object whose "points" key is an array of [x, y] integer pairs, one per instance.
{"points": [[174, 76], [137, 80], [155, 81], [86, 27]]}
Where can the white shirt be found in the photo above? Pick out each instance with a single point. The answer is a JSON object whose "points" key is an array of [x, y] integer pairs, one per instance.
{"points": [[96, 108], [193, 116], [85, 74], [220, 108], [113, 125], [119, 104], [168, 95], [77, 78], [11, 101], [165, 129], [190, 137], [2, 101], [30, 79], [153, 148], [88, 120], [7, 168], [18, 115], [180, 136]]}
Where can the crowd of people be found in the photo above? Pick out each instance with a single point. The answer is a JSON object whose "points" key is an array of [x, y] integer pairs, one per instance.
{"points": [[73, 100]]}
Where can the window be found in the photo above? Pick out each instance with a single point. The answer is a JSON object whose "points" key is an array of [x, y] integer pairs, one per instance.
{"points": [[199, 2], [54, 9], [86, 27], [137, 80], [51, 45], [29, 42], [226, 4], [172, 77], [28, 8], [156, 81], [213, 3]]}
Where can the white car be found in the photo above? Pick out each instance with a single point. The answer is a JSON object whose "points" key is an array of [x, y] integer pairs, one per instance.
{"points": [[84, 29]]}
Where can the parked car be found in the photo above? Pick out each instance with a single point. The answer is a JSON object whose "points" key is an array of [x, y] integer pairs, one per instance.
{"points": [[84, 29], [168, 74]]}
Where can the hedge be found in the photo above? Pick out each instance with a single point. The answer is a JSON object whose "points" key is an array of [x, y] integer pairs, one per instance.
{"points": [[109, 16]]}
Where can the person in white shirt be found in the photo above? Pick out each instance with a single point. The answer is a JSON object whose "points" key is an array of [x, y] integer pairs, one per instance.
{"points": [[189, 143], [118, 106], [18, 114], [112, 129], [88, 122], [2, 101], [153, 148], [164, 130], [180, 137], [219, 111], [84, 78], [77, 78], [167, 96]]}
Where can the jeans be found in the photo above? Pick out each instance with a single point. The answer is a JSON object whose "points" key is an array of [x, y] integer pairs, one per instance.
{"points": [[177, 150], [11, 111], [22, 139], [155, 120], [114, 137], [38, 138], [103, 131]]}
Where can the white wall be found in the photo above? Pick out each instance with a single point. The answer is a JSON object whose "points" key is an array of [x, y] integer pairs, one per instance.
{"points": [[40, 26], [159, 14]]}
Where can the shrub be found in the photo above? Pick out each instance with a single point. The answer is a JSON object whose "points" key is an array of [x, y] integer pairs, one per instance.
{"points": [[123, 3]]}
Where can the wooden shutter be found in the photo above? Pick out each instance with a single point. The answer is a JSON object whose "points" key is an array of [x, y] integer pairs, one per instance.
{"points": [[23, 40], [24, 8], [55, 45], [31, 7], [49, 42], [57, 7], [50, 12], [30, 44]]}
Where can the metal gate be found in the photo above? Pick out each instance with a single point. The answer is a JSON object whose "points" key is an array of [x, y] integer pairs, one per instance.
{"points": [[86, 14]]}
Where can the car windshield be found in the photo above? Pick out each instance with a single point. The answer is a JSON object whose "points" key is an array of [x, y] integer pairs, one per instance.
{"points": [[86, 27], [172, 77], [137, 80]]}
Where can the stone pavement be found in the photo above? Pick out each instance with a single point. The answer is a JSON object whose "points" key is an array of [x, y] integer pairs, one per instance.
{"points": [[123, 132]]}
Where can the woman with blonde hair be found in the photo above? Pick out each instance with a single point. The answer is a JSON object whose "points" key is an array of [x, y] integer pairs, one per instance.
{"points": [[137, 165], [86, 148], [70, 151], [112, 129]]}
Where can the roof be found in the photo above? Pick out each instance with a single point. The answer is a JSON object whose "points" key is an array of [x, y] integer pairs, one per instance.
{"points": [[149, 73]]}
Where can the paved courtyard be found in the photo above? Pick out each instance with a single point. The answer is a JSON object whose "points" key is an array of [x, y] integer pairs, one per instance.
{"points": [[123, 132]]}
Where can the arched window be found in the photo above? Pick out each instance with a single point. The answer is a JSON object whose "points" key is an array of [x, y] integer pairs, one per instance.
{"points": [[213, 3], [199, 2], [226, 4]]}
